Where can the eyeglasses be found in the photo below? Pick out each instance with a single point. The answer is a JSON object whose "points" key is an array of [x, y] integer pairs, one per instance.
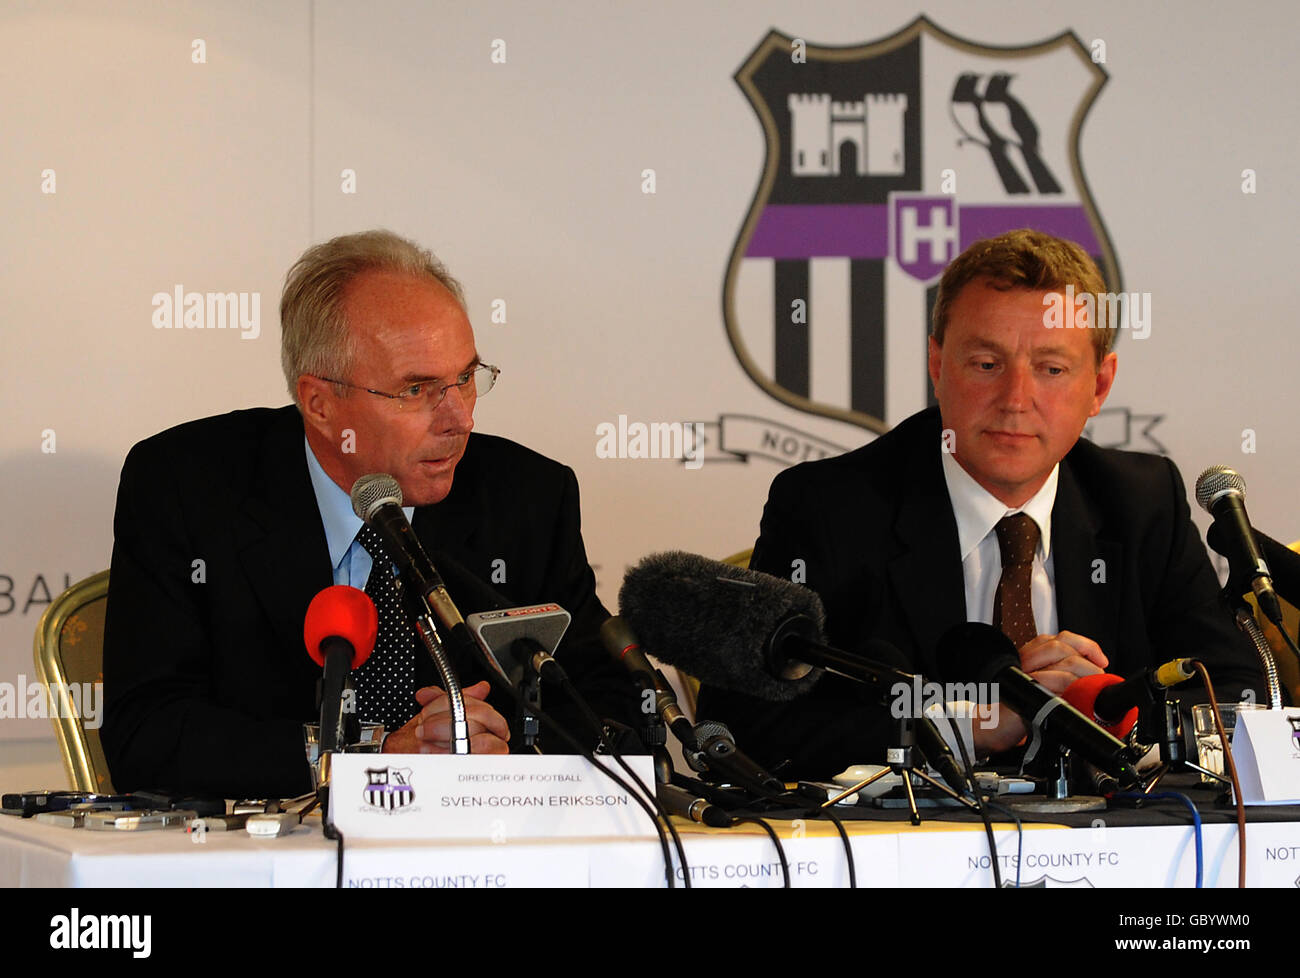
{"points": [[428, 393]]}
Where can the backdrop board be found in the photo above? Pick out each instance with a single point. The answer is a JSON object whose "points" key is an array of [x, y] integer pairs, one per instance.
{"points": [[637, 200]]}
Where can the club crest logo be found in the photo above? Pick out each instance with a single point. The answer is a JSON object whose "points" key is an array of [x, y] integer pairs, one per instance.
{"points": [[388, 788], [1050, 883], [884, 161]]}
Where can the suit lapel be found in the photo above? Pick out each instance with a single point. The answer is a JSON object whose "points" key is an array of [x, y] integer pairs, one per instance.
{"points": [[1086, 567], [280, 538], [927, 575], [452, 524]]}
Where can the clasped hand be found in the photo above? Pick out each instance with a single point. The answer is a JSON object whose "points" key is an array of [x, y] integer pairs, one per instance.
{"points": [[429, 731]]}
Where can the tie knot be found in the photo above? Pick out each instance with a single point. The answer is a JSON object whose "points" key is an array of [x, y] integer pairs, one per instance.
{"points": [[369, 539], [1017, 539]]}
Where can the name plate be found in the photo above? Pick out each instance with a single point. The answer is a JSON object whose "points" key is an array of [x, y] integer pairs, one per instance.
{"points": [[1266, 749], [484, 797]]}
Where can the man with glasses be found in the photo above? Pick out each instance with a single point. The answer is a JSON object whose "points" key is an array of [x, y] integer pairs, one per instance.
{"points": [[227, 527]]}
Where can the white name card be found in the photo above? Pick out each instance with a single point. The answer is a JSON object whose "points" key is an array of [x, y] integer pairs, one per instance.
{"points": [[1266, 749], [485, 798]]}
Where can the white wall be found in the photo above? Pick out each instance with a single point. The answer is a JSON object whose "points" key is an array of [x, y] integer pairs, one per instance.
{"points": [[525, 177]]}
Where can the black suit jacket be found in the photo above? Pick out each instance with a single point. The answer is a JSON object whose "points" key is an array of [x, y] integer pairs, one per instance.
{"points": [[877, 538], [219, 548]]}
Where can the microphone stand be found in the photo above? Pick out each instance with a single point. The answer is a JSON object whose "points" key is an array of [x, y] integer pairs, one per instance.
{"points": [[1052, 760], [899, 760], [529, 701], [1174, 755], [425, 626], [1246, 622]]}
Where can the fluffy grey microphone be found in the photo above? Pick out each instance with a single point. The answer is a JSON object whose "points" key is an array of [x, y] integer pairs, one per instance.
{"points": [[717, 622]]}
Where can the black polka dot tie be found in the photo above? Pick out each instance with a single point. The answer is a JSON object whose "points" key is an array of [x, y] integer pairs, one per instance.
{"points": [[1013, 609], [385, 684]]}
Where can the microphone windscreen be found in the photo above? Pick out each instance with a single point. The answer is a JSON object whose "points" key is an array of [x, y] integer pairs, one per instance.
{"points": [[974, 652], [714, 621], [1082, 695], [343, 612]]}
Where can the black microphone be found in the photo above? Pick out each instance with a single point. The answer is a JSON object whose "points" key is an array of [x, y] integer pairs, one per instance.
{"points": [[1221, 492], [724, 758], [1283, 562], [620, 641], [1115, 700], [979, 653], [377, 499], [677, 801]]}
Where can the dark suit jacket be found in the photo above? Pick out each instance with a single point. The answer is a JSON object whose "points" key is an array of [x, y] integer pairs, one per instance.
{"points": [[877, 535], [219, 548]]}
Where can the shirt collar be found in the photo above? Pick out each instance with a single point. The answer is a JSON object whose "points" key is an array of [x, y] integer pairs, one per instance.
{"points": [[977, 511], [340, 522]]}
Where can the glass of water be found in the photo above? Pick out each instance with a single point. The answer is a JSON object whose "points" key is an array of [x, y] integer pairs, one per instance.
{"points": [[1209, 749], [372, 738]]}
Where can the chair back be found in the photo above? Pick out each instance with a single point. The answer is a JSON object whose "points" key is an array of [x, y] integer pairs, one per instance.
{"points": [[69, 653]]}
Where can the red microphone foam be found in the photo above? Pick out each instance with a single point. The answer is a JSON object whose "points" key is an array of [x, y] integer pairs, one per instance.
{"points": [[1082, 695], [343, 612]]}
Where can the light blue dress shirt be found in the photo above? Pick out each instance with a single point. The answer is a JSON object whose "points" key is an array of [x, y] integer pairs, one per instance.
{"points": [[350, 561]]}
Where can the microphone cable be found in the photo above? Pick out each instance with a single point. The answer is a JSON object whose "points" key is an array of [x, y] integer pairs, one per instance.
{"points": [[776, 841], [980, 803], [657, 815], [1230, 766], [844, 838], [1196, 822], [562, 679], [1020, 836]]}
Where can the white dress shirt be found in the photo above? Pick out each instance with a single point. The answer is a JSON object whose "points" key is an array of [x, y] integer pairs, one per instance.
{"points": [[977, 513]]}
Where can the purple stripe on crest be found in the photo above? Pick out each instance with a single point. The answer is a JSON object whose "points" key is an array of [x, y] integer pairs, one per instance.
{"points": [[814, 230], [1068, 221]]}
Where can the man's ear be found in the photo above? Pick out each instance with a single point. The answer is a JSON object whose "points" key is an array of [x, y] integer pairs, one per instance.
{"points": [[936, 358], [315, 402], [1105, 380]]}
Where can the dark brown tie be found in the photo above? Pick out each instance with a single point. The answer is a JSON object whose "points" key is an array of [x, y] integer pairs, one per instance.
{"points": [[1013, 611]]}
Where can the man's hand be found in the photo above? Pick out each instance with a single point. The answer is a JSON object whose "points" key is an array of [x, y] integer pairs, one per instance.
{"points": [[1055, 661], [1058, 660], [429, 731]]}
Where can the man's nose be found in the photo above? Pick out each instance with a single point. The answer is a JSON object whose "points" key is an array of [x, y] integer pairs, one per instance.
{"points": [[456, 412], [1018, 387]]}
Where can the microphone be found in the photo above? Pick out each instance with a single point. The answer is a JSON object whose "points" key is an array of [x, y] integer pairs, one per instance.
{"points": [[1221, 492], [1283, 562], [1084, 693], [713, 621], [377, 500], [339, 631], [724, 758], [739, 629], [514, 638], [1114, 702], [976, 652], [755, 634], [620, 641], [677, 801]]}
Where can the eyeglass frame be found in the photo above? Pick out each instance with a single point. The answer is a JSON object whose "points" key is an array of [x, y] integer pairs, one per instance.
{"points": [[405, 396]]}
